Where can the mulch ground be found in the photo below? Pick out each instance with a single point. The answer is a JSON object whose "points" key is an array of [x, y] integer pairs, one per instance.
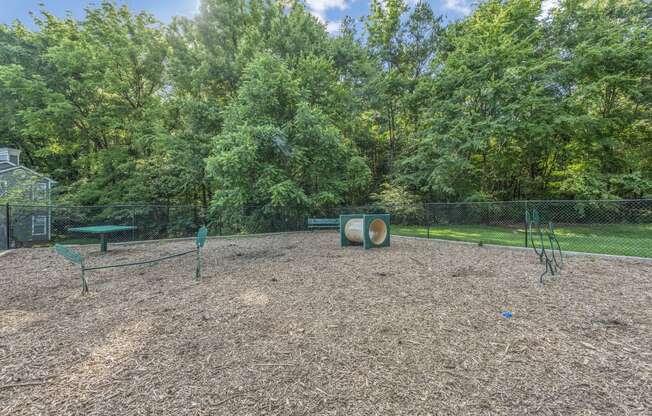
{"points": [[296, 325]]}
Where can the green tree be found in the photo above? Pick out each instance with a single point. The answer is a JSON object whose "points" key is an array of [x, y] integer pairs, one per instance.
{"points": [[94, 101], [403, 45], [493, 129], [506, 103], [606, 83], [277, 150]]}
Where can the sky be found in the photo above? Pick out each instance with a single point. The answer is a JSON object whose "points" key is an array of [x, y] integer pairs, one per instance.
{"points": [[330, 12]]}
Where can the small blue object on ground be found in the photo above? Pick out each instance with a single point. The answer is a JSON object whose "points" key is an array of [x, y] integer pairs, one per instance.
{"points": [[507, 314]]}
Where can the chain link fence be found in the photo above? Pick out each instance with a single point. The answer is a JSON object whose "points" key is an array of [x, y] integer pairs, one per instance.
{"points": [[622, 227], [39, 225]]}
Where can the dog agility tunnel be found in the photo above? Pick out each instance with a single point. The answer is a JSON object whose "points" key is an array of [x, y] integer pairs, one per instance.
{"points": [[368, 230]]}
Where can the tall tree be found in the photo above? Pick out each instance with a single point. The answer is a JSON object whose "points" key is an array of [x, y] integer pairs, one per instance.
{"points": [[606, 82], [94, 99], [404, 44], [509, 102], [278, 150], [493, 131]]}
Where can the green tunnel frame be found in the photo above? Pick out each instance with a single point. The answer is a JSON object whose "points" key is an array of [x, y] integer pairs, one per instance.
{"points": [[367, 220]]}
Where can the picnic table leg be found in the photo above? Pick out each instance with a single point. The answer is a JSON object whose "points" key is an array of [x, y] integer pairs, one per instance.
{"points": [[103, 243]]}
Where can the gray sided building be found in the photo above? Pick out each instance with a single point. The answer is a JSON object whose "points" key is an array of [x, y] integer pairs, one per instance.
{"points": [[30, 220]]}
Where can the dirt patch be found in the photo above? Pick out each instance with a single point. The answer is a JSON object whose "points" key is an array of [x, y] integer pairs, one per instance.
{"points": [[256, 254], [254, 297], [12, 321], [296, 325]]}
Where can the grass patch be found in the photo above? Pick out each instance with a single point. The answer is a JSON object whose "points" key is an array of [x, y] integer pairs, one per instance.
{"points": [[618, 239]]}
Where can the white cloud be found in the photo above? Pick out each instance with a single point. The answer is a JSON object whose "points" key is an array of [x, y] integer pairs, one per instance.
{"points": [[319, 7], [548, 5], [459, 6], [333, 27], [383, 3]]}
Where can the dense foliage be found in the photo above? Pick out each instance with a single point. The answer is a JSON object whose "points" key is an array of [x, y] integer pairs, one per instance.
{"points": [[251, 102]]}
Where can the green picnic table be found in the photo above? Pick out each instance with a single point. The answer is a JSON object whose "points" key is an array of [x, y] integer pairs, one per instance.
{"points": [[103, 231]]}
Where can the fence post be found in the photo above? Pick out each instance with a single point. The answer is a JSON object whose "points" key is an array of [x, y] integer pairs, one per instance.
{"points": [[133, 223], [526, 224], [428, 220], [167, 222], [7, 224]]}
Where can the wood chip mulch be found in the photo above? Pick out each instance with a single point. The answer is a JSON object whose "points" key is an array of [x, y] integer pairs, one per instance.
{"points": [[295, 325]]}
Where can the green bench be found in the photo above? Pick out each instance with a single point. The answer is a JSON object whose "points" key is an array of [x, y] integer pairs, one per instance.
{"points": [[323, 223], [77, 258]]}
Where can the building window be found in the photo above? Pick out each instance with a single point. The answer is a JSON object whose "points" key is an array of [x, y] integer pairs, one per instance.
{"points": [[39, 225], [4, 188], [40, 191]]}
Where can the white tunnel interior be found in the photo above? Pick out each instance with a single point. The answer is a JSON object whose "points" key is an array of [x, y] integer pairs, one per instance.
{"points": [[354, 230]]}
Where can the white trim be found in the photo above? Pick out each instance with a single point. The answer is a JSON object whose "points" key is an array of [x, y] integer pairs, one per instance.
{"points": [[11, 151], [45, 224], [7, 153]]}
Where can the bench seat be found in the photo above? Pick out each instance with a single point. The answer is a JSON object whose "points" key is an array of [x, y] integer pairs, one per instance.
{"points": [[323, 223]]}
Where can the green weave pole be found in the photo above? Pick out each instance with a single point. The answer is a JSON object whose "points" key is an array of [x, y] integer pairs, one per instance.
{"points": [[555, 248], [548, 250], [198, 269], [200, 242]]}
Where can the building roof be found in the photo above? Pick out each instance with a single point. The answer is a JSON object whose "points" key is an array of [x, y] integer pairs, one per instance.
{"points": [[28, 170]]}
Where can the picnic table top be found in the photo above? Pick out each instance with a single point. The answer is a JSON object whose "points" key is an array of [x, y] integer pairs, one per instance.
{"points": [[102, 229]]}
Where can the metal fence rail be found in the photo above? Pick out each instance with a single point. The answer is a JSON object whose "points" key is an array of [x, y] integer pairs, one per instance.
{"points": [[622, 227]]}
